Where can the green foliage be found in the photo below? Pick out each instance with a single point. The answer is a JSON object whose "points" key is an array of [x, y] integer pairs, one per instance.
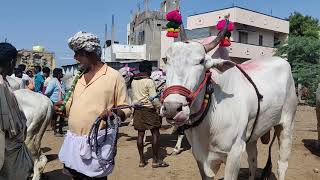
{"points": [[301, 25], [303, 54], [302, 50]]}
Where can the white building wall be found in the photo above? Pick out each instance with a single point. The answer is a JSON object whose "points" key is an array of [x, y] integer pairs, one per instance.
{"points": [[248, 51], [241, 16], [208, 19], [253, 23], [125, 52], [259, 20]]}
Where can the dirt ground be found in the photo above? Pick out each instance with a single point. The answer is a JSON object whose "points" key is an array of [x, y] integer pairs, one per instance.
{"points": [[304, 162]]}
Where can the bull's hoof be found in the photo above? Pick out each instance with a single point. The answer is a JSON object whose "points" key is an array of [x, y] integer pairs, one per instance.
{"points": [[265, 139], [131, 123]]}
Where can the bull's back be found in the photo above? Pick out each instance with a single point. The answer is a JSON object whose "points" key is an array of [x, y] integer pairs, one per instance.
{"points": [[272, 75], [34, 105], [273, 78]]}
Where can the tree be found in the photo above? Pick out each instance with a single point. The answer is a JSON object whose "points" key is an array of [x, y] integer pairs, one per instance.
{"points": [[306, 26], [302, 49]]}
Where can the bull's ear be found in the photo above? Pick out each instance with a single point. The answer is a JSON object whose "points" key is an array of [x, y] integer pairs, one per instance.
{"points": [[164, 60], [220, 64]]}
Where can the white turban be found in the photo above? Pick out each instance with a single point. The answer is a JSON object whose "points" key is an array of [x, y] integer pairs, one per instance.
{"points": [[86, 41]]}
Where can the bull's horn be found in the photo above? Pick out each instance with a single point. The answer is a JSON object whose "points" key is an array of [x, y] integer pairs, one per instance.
{"points": [[220, 36], [183, 34]]}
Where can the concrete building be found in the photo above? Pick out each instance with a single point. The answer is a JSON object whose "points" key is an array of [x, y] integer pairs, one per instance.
{"points": [[145, 28], [36, 57], [255, 34], [124, 52]]}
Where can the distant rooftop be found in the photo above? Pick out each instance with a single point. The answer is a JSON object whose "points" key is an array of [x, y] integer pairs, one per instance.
{"points": [[239, 8]]}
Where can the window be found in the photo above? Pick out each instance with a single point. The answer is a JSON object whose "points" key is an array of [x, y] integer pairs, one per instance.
{"points": [[260, 40], [141, 38], [276, 41], [243, 37]]}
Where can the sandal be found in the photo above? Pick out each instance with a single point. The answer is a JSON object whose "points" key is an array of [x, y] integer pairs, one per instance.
{"points": [[142, 164], [160, 164]]}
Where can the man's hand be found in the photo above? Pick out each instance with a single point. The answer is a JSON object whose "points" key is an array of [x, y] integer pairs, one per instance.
{"points": [[57, 109], [105, 114]]}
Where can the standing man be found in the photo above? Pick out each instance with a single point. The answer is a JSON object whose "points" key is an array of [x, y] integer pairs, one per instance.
{"points": [[15, 159], [98, 90], [146, 117], [38, 79], [55, 91], [46, 75]]}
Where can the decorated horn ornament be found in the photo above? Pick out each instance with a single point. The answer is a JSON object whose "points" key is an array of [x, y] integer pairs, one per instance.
{"points": [[220, 36]]}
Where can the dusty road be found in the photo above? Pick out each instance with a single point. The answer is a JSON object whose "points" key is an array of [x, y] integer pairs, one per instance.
{"points": [[303, 163]]}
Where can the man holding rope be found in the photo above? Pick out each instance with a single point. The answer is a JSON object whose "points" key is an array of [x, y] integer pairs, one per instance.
{"points": [[97, 91]]}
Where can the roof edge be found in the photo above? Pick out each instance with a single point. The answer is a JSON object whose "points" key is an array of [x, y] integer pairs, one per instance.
{"points": [[239, 8]]}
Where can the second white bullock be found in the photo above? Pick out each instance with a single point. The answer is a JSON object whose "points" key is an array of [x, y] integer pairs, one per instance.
{"points": [[38, 110]]}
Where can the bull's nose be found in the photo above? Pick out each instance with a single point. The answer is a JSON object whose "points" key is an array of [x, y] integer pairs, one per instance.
{"points": [[171, 109]]}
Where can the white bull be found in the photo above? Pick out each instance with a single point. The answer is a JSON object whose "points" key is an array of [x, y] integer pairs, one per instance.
{"points": [[224, 133], [38, 110]]}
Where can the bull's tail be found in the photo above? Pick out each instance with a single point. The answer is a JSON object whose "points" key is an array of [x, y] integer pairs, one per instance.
{"points": [[267, 170]]}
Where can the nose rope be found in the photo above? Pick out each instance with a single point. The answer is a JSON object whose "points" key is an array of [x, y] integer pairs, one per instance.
{"points": [[177, 89]]}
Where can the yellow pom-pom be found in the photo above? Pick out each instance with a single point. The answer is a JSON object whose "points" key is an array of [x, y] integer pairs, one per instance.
{"points": [[170, 29], [177, 30], [207, 96]]}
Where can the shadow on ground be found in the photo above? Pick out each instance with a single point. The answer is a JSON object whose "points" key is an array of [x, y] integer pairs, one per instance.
{"points": [[311, 145], [55, 175], [244, 174]]}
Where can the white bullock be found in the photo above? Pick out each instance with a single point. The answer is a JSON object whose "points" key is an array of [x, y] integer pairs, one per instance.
{"points": [[229, 128], [38, 110]]}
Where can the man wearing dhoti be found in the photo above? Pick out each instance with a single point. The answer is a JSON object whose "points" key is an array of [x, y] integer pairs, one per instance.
{"points": [[98, 90], [15, 159]]}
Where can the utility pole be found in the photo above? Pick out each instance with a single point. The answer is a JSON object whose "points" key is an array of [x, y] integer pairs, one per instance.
{"points": [[105, 34], [112, 38], [139, 7]]}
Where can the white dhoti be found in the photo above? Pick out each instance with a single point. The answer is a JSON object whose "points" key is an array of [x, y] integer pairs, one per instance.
{"points": [[77, 154]]}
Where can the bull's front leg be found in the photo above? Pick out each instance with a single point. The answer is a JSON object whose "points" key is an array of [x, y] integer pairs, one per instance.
{"points": [[233, 161], [202, 171], [177, 149]]}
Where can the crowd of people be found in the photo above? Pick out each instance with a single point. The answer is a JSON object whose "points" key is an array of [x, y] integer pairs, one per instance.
{"points": [[41, 80], [99, 93]]}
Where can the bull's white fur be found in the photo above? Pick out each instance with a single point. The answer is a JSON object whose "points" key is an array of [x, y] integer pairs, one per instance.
{"points": [[14, 82], [38, 111], [222, 135]]}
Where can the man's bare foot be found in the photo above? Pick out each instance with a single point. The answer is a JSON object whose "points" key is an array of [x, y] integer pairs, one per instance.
{"points": [[142, 164]]}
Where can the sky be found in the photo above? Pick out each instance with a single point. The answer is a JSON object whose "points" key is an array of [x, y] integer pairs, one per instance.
{"points": [[50, 23]]}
